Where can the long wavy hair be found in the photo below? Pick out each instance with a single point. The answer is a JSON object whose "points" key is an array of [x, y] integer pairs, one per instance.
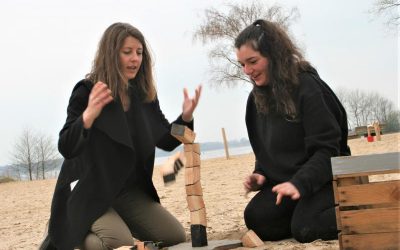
{"points": [[106, 64], [285, 61]]}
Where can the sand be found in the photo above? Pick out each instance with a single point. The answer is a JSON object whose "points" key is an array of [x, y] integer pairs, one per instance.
{"points": [[25, 206]]}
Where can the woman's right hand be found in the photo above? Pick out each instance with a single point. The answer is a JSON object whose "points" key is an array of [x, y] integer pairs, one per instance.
{"points": [[253, 182], [100, 96]]}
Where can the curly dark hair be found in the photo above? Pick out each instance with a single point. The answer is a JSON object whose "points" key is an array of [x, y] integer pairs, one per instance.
{"points": [[285, 62]]}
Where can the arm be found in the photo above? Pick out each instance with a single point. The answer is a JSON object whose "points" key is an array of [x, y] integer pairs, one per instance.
{"points": [[73, 136], [322, 136], [85, 105], [168, 142]]}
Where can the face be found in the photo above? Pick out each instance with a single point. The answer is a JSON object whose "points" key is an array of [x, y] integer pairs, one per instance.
{"points": [[254, 64], [130, 57]]}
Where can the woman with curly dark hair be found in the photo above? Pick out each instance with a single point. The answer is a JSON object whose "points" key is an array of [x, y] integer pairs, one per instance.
{"points": [[295, 125]]}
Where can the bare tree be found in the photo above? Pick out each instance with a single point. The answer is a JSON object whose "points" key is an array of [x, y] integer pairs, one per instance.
{"points": [[389, 8], [220, 29], [45, 153], [23, 153], [364, 108], [353, 107]]}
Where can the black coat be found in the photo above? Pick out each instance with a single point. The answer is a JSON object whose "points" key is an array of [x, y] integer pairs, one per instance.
{"points": [[102, 159], [299, 149]]}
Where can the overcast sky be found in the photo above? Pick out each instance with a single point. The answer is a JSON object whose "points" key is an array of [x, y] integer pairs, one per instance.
{"points": [[46, 46]]}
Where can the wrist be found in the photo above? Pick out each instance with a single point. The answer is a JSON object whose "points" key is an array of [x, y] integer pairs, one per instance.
{"points": [[87, 121], [187, 118]]}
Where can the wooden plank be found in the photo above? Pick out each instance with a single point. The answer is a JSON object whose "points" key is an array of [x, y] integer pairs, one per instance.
{"points": [[192, 159], [338, 221], [369, 194], [378, 241], [377, 220], [195, 202], [194, 189], [183, 133], [373, 163], [347, 181], [192, 175], [340, 241], [335, 192], [198, 217], [195, 147]]}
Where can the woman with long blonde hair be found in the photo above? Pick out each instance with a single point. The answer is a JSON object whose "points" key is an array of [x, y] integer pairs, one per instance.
{"points": [[104, 194]]}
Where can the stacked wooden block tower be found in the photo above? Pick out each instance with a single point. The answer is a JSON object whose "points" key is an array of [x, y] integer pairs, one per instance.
{"points": [[194, 191], [367, 212]]}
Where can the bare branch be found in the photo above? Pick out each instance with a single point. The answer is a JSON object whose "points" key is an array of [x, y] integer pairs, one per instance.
{"points": [[390, 9], [220, 30]]}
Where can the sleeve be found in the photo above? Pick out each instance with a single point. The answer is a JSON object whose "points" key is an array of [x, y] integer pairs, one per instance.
{"points": [[250, 114], [73, 136], [167, 141], [322, 137], [258, 169]]}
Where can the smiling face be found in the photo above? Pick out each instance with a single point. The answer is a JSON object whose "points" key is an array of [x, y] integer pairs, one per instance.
{"points": [[254, 64], [130, 57]]}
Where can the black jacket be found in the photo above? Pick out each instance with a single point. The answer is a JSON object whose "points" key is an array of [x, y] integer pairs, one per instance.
{"points": [[299, 149], [102, 159]]}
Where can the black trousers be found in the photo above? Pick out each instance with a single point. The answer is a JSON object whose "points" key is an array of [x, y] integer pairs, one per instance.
{"points": [[307, 219]]}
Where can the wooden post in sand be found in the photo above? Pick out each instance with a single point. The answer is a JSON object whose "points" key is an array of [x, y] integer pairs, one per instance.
{"points": [[194, 192], [225, 143]]}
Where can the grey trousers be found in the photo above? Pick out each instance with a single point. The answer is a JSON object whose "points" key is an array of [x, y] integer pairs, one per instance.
{"points": [[134, 213]]}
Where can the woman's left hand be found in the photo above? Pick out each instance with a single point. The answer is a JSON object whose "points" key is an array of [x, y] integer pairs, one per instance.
{"points": [[189, 104], [285, 189]]}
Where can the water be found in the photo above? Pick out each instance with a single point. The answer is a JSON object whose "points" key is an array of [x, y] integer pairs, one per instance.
{"points": [[213, 153]]}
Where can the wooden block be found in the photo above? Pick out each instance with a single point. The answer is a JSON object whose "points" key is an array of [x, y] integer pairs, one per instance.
{"points": [[139, 245], [192, 175], [195, 202], [250, 239], [195, 147], [183, 133], [376, 241], [142, 245], [367, 164], [369, 194], [198, 217], [376, 220], [169, 178], [171, 167], [199, 235], [194, 189], [192, 159], [126, 248], [177, 165]]}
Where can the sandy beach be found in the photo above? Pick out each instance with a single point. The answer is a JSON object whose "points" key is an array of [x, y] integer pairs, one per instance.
{"points": [[25, 206]]}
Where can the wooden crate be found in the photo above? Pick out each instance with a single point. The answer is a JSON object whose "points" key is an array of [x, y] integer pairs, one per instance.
{"points": [[367, 213]]}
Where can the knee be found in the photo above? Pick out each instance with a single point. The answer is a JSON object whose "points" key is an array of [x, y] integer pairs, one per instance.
{"points": [[252, 216], [261, 224], [93, 241], [177, 236], [303, 234]]}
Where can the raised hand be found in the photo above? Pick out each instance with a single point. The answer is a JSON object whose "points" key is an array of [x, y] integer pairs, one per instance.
{"points": [[100, 96], [190, 104]]}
